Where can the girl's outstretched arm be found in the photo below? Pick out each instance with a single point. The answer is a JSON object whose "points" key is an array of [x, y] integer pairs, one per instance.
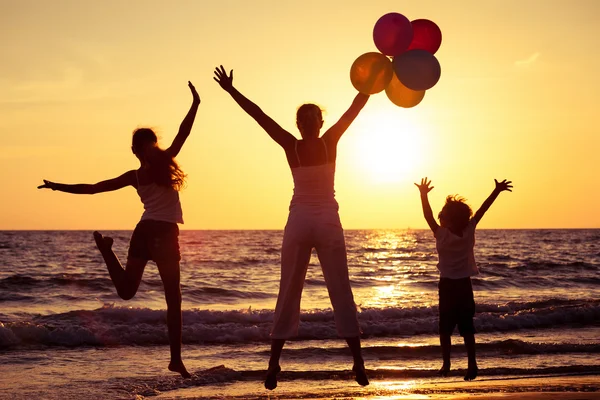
{"points": [[186, 125], [127, 179], [424, 188], [276, 132], [334, 133], [500, 187]]}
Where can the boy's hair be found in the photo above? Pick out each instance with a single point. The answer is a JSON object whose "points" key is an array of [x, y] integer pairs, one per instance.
{"points": [[163, 168], [457, 212]]}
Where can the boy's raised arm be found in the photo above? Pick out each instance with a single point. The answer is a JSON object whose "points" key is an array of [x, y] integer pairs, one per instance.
{"points": [[424, 188], [500, 187]]}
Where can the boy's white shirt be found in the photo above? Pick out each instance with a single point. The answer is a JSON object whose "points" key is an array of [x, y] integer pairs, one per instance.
{"points": [[456, 254]]}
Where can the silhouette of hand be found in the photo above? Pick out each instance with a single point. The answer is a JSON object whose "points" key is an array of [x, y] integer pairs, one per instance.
{"points": [[424, 187], [47, 185], [195, 95], [222, 79], [504, 185]]}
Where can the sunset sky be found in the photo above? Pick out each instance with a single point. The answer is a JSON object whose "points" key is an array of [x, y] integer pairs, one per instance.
{"points": [[518, 98]]}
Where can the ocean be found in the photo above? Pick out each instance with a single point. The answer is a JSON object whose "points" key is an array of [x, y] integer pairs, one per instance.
{"points": [[65, 334]]}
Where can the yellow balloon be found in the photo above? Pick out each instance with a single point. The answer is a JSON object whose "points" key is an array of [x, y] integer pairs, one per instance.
{"points": [[402, 96], [371, 73]]}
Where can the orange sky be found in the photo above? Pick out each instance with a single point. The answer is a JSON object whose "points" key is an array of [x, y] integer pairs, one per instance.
{"points": [[518, 98]]}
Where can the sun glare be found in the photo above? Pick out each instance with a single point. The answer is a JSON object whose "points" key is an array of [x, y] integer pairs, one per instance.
{"points": [[389, 148]]}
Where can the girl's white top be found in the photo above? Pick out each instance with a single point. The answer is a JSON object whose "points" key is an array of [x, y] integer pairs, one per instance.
{"points": [[161, 203], [456, 256]]}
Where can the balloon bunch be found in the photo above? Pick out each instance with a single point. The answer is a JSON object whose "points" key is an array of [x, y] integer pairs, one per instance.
{"points": [[412, 68]]}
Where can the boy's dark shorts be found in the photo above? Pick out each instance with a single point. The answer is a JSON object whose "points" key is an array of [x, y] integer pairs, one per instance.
{"points": [[457, 306], [155, 240]]}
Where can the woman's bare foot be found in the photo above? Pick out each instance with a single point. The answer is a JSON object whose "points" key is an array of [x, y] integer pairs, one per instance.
{"points": [[177, 366], [271, 379], [445, 370], [471, 373], [104, 243], [360, 374]]}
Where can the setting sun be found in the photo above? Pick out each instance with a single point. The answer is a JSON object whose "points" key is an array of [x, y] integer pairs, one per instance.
{"points": [[389, 148]]}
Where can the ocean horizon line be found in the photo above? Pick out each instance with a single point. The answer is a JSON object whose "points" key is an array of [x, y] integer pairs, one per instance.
{"points": [[281, 229]]}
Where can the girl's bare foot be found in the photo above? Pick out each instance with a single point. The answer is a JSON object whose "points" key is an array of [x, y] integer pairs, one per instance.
{"points": [[271, 379], [445, 370], [177, 366], [104, 243], [360, 374]]}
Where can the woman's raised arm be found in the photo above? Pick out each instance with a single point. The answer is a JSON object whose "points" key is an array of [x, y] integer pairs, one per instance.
{"points": [[334, 133], [276, 132]]}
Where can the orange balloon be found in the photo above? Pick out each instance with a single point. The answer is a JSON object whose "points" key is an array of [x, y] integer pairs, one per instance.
{"points": [[371, 73], [402, 96]]}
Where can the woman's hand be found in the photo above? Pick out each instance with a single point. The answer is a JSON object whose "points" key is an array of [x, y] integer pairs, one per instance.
{"points": [[195, 96], [222, 79]]}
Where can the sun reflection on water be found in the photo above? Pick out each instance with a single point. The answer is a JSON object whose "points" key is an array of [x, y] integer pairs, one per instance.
{"points": [[397, 266]]}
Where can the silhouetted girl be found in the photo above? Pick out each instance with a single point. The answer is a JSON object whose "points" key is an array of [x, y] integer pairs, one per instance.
{"points": [[313, 222], [157, 181]]}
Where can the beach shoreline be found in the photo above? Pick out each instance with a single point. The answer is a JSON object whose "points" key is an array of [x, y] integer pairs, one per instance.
{"points": [[558, 387]]}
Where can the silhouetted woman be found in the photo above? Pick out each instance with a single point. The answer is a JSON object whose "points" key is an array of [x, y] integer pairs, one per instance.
{"points": [[157, 181], [313, 222]]}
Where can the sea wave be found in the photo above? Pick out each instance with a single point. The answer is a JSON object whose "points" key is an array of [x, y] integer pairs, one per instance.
{"points": [[111, 325]]}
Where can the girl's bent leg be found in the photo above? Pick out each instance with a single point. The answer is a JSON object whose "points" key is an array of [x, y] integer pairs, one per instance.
{"points": [[126, 281]]}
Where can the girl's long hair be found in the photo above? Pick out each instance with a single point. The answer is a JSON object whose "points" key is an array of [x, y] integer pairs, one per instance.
{"points": [[162, 168]]}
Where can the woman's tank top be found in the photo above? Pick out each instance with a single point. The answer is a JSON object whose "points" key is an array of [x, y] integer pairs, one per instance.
{"points": [[314, 185]]}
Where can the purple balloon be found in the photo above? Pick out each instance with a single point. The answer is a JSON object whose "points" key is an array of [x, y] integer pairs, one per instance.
{"points": [[392, 34], [417, 69]]}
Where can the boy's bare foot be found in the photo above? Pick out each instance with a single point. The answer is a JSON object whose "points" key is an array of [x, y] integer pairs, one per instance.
{"points": [[104, 243], [471, 373], [445, 370], [360, 374], [271, 379], [177, 366]]}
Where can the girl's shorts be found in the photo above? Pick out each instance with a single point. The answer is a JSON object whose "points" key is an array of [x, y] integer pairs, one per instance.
{"points": [[155, 240]]}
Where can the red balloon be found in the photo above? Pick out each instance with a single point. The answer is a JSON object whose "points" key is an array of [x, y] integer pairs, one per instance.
{"points": [[392, 34], [426, 36], [417, 69]]}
